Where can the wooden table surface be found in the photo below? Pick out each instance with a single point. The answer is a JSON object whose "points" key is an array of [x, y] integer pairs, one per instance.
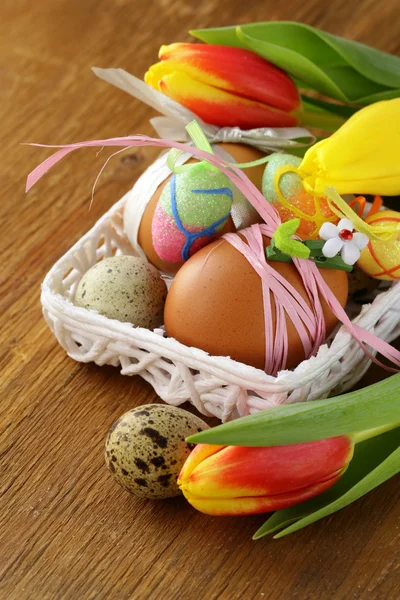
{"points": [[67, 531]]}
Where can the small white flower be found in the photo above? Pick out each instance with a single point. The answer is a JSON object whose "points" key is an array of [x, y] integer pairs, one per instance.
{"points": [[340, 238]]}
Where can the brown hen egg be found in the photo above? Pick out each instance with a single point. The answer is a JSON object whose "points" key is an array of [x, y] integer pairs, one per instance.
{"points": [[241, 154], [215, 303]]}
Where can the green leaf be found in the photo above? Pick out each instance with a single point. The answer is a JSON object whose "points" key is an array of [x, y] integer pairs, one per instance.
{"points": [[381, 67], [221, 36], [286, 244], [380, 96], [375, 406], [368, 455], [295, 63], [337, 109], [339, 68]]}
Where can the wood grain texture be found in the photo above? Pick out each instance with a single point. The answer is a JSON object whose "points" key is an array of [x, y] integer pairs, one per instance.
{"points": [[67, 531]]}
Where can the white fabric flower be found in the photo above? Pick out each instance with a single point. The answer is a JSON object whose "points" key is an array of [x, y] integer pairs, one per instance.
{"points": [[340, 238]]}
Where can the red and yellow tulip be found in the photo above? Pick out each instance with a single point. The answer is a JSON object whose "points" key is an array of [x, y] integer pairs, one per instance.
{"points": [[237, 480], [226, 86]]}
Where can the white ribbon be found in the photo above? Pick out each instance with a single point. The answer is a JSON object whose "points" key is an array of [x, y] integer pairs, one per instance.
{"points": [[175, 118]]}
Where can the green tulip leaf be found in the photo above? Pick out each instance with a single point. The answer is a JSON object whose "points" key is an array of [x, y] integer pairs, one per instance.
{"points": [[339, 68], [368, 456], [378, 405], [380, 96], [338, 109], [300, 66]]}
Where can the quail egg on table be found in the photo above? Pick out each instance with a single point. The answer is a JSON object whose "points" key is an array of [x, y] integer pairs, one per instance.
{"points": [[126, 288], [146, 449]]}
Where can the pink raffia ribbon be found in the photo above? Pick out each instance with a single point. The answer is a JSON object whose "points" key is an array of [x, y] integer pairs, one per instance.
{"points": [[236, 175], [308, 320]]}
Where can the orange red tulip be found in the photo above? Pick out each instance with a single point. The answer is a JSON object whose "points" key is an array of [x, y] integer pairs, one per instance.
{"points": [[226, 86], [237, 480]]}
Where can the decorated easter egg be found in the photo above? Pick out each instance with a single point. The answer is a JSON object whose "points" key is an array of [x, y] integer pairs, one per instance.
{"points": [[193, 207], [145, 238], [146, 449], [216, 303], [381, 258], [246, 213], [313, 212], [125, 288]]}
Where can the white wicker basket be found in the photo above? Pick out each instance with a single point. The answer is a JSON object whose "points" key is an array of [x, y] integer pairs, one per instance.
{"points": [[216, 386]]}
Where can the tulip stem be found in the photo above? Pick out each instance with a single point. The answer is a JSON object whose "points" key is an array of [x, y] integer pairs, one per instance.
{"points": [[361, 436], [321, 119]]}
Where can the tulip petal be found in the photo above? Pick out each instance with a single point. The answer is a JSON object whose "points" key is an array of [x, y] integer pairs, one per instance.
{"points": [[255, 505], [235, 70], [349, 162], [221, 108], [235, 472], [198, 454]]}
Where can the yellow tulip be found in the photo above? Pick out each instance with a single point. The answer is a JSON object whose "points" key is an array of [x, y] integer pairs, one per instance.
{"points": [[361, 157]]}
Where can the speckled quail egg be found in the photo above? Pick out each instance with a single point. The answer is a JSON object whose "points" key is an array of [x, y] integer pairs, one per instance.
{"points": [[126, 288], [146, 449]]}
